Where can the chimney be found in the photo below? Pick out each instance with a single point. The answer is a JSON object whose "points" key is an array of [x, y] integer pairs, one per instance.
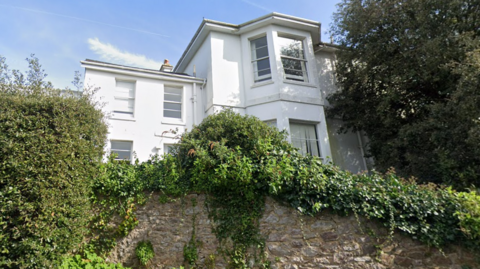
{"points": [[166, 67]]}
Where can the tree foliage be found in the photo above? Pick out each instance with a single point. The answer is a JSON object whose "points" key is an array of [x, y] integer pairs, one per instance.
{"points": [[409, 78], [51, 144]]}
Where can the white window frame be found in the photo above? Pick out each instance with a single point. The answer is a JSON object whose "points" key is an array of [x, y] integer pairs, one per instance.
{"points": [[113, 150], [255, 60], [271, 123], [306, 143], [129, 98], [165, 101], [167, 147], [301, 59]]}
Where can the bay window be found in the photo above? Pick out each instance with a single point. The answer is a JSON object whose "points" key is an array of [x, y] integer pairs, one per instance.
{"points": [[293, 59], [304, 137]]}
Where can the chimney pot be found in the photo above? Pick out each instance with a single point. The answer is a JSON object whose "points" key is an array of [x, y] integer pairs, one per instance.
{"points": [[166, 66]]}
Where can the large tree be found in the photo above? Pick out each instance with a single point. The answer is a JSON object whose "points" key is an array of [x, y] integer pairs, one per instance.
{"points": [[409, 74]]}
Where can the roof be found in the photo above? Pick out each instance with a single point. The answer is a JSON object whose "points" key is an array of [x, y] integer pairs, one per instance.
{"points": [[104, 66], [237, 29], [329, 47]]}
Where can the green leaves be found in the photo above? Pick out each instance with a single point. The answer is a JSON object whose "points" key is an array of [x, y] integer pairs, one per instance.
{"points": [[50, 149], [404, 80], [144, 252]]}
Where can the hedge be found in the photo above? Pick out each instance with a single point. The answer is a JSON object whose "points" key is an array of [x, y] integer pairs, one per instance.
{"points": [[51, 145]]}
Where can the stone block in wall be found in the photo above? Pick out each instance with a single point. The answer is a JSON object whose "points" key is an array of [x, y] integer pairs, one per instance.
{"points": [[292, 240]]}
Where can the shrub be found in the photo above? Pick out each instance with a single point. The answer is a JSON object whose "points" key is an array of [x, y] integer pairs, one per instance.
{"points": [[144, 252], [90, 261], [238, 160], [469, 214], [50, 149]]}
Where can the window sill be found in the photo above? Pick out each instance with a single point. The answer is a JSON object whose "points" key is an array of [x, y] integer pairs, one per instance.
{"points": [[306, 84], [123, 119], [262, 83], [173, 122]]}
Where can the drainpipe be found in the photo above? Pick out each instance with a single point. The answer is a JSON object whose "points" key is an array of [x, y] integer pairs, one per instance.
{"points": [[194, 101], [359, 137]]}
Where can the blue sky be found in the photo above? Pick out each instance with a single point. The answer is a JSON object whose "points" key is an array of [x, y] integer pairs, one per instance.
{"points": [[137, 33]]}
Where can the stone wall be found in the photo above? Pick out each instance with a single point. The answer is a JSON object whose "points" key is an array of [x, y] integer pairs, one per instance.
{"points": [[292, 240]]}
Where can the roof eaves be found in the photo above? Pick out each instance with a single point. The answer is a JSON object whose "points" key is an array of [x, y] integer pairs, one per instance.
{"points": [[238, 27], [95, 63]]}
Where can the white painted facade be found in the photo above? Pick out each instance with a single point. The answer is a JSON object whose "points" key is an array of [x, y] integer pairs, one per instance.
{"points": [[218, 70]]}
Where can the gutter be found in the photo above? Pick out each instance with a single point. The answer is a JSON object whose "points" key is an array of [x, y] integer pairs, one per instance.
{"points": [[125, 69]]}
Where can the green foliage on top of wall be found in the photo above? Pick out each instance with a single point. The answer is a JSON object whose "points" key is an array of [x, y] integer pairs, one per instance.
{"points": [[51, 146], [238, 160]]}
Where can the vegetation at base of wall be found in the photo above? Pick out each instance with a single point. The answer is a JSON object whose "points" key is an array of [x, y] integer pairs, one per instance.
{"points": [[51, 145], [88, 261], [238, 160], [116, 191], [144, 252]]}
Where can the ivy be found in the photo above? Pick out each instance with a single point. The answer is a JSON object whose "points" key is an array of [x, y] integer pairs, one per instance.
{"points": [[144, 252], [238, 160]]}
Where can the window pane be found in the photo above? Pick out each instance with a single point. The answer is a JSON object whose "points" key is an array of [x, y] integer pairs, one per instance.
{"points": [[173, 98], [294, 69], [125, 145], [263, 67], [271, 123], [304, 137], [259, 42], [291, 47], [122, 148], [168, 148], [172, 90], [172, 114], [125, 89], [261, 52], [122, 155], [123, 105], [260, 60], [172, 106]]}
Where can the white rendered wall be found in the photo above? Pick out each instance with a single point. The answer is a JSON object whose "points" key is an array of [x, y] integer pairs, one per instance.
{"points": [[227, 71], [285, 112], [148, 129], [202, 61], [347, 148]]}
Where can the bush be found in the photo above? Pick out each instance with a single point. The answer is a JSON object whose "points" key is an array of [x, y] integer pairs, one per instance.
{"points": [[90, 261], [238, 160], [50, 149], [144, 252], [469, 214]]}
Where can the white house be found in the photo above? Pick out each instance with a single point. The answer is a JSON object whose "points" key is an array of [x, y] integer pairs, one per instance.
{"points": [[274, 67]]}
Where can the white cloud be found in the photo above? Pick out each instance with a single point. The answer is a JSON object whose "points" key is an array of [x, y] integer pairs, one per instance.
{"points": [[109, 53]]}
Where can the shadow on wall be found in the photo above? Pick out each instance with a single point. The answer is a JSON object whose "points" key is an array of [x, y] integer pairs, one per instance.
{"points": [[346, 148], [326, 74]]}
